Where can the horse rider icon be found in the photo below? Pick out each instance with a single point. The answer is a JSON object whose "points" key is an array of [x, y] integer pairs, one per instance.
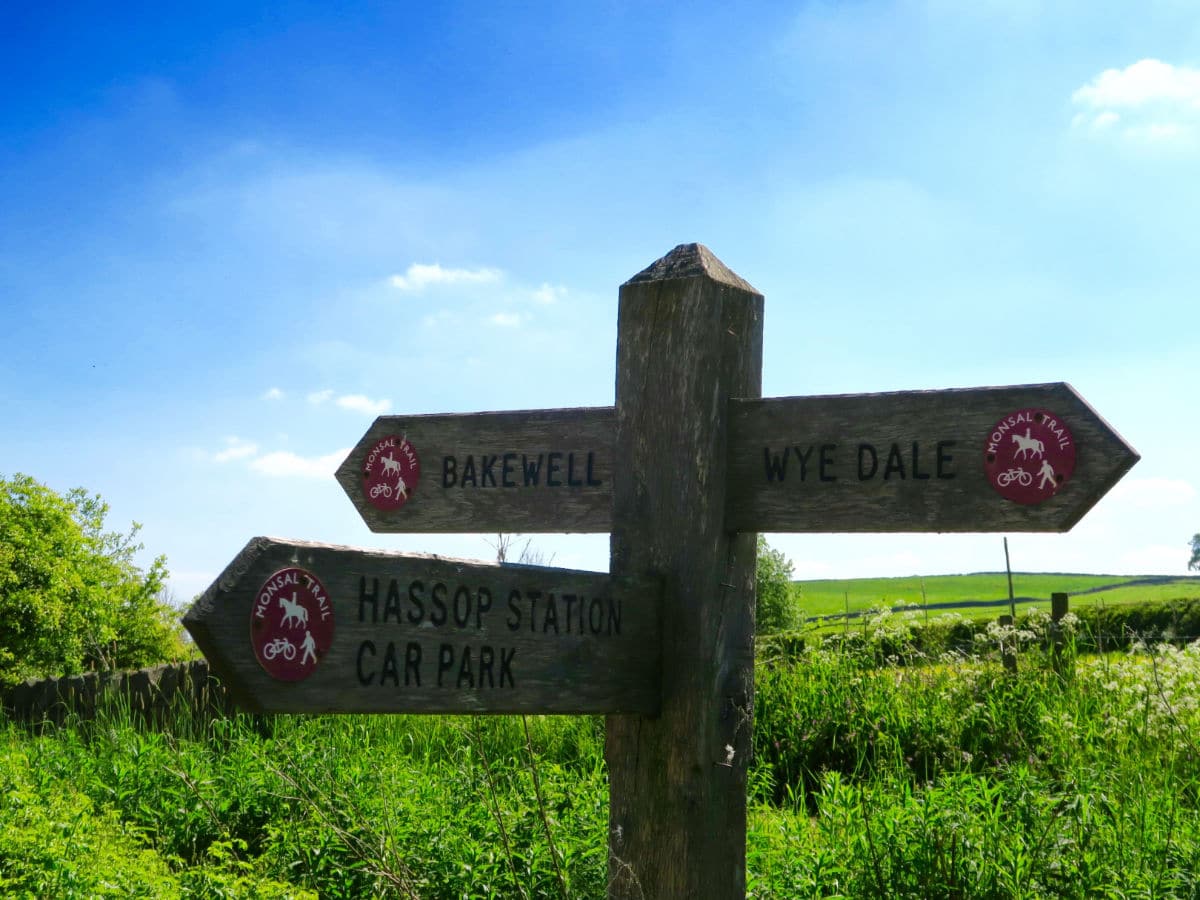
{"points": [[309, 646]]}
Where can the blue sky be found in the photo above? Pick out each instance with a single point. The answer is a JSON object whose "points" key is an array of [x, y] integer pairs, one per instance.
{"points": [[231, 236]]}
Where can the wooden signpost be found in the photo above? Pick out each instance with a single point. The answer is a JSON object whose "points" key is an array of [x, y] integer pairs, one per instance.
{"points": [[683, 471]]}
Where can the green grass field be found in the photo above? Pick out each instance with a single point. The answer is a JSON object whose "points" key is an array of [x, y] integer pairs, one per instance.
{"points": [[838, 596], [934, 781]]}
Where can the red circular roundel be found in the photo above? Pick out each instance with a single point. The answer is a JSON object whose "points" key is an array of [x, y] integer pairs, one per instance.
{"points": [[291, 624], [390, 472], [1029, 455]]}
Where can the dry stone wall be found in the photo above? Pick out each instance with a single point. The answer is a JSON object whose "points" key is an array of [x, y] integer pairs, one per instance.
{"points": [[151, 694]]}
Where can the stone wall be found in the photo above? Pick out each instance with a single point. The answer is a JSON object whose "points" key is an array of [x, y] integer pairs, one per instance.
{"points": [[150, 694]]}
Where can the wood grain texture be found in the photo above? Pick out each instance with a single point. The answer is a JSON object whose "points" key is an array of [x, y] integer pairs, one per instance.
{"points": [[960, 420], [565, 665], [488, 505], [689, 337]]}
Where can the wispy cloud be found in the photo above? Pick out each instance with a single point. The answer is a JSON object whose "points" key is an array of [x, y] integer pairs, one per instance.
{"points": [[418, 276], [505, 320], [285, 464], [549, 293], [1150, 101], [364, 404], [278, 463], [353, 402], [235, 448], [273, 393]]}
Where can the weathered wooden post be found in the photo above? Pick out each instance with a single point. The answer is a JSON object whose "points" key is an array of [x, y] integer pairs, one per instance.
{"points": [[1058, 610], [1008, 652], [689, 338]]}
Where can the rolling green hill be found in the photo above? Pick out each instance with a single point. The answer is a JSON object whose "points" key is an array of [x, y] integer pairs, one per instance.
{"points": [[974, 594]]}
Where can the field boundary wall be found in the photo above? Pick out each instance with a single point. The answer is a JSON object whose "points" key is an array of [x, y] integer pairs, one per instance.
{"points": [[150, 693]]}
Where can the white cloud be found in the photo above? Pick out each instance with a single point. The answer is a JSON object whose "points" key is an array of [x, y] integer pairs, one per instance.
{"points": [[354, 402], [1154, 493], [505, 320], [273, 393], [285, 464], [364, 404], [418, 276], [235, 448], [549, 293], [1159, 103], [1144, 82]]}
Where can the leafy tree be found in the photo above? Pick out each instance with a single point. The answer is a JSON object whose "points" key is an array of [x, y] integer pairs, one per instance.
{"points": [[71, 596], [1195, 561], [775, 607]]}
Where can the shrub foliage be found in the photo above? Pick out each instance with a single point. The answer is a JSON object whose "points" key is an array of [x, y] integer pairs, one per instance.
{"points": [[71, 596], [775, 607]]}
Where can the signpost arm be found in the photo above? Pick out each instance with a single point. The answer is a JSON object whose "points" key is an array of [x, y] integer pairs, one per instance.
{"points": [[689, 338]]}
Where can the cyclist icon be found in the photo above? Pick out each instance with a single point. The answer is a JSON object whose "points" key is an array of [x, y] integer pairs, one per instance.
{"points": [[281, 646], [1017, 475]]}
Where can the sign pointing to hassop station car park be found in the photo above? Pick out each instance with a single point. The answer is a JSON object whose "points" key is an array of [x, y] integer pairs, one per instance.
{"points": [[1024, 458], [337, 629], [682, 471]]}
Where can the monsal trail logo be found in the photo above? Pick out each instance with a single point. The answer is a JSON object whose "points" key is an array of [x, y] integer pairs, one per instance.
{"points": [[291, 624], [1029, 455], [390, 473]]}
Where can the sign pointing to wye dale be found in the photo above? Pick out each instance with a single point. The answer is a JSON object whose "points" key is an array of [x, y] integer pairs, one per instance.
{"points": [[292, 626], [948, 460], [1025, 458]]}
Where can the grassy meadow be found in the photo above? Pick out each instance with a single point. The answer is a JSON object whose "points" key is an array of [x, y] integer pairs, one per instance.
{"points": [[930, 776], [837, 596]]}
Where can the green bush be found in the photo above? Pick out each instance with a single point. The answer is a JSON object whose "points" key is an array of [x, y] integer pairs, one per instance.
{"points": [[71, 596], [56, 842], [775, 606]]}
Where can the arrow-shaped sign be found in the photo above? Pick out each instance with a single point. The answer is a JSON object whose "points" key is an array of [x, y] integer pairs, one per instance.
{"points": [[1024, 458], [301, 627], [528, 471]]}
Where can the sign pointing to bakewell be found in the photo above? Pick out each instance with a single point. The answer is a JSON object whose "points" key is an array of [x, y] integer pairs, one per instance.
{"points": [[533, 471], [1023, 458], [292, 626]]}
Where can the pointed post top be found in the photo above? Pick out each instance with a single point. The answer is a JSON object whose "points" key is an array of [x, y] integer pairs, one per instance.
{"points": [[691, 261]]}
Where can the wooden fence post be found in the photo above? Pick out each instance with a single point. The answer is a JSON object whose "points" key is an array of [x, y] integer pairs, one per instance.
{"points": [[1058, 609], [689, 337], [1008, 653]]}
